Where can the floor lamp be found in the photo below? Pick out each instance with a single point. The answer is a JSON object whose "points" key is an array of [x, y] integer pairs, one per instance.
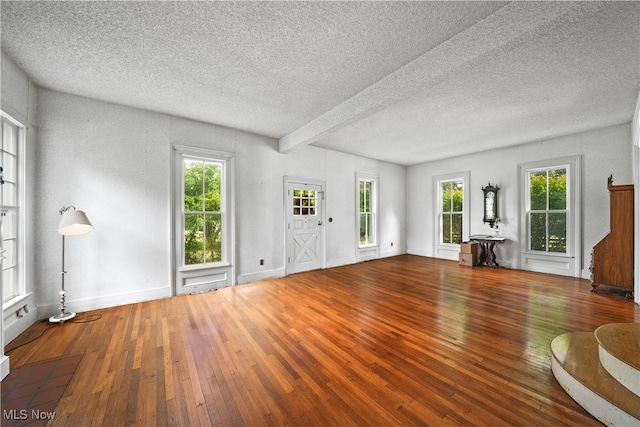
{"points": [[73, 223]]}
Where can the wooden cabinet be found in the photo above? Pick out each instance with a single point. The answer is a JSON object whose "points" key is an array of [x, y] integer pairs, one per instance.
{"points": [[612, 257]]}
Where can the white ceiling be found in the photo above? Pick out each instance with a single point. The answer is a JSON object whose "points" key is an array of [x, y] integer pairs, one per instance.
{"points": [[405, 82]]}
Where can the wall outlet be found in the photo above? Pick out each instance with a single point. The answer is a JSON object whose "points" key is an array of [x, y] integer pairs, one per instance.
{"points": [[261, 262], [391, 243]]}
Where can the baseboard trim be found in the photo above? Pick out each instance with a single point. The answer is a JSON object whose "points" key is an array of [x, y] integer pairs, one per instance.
{"points": [[262, 275], [105, 301]]}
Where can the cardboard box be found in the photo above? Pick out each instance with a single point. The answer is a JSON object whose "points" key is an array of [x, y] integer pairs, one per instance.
{"points": [[470, 248], [467, 259]]}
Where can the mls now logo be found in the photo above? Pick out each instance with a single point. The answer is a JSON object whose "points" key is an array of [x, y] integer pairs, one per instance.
{"points": [[23, 414]]}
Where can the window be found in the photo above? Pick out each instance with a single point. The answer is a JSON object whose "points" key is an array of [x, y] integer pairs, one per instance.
{"points": [[451, 211], [550, 229], [202, 220], [367, 211], [11, 147], [547, 215], [305, 202], [203, 215]]}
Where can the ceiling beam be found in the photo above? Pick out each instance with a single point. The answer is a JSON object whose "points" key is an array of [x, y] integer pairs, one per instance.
{"points": [[498, 29]]}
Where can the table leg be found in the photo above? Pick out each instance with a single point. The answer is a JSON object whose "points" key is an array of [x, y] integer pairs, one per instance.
{"points": [[491, 256]]}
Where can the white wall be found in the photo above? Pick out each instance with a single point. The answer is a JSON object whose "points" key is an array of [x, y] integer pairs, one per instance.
{"points": [[113, 162], [604, 152]]}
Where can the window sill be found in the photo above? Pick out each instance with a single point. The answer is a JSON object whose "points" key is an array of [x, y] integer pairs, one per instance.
{"points": [[371, 245], [549, 254], [204, 267], [15, 303]]}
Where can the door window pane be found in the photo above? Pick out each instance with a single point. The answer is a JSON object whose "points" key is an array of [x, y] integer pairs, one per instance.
{"points": [[304, 202]]}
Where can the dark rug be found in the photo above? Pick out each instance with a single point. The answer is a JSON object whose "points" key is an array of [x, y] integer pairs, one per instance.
{"points": [[30, 394]]}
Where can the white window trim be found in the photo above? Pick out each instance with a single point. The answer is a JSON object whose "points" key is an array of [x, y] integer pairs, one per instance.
{"points": [[371, 250], [570, 263], [227, 265], [450, 250], [21, 291]]}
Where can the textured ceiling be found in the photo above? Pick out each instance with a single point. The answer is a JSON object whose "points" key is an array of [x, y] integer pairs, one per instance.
{"points": [[406, 82]]}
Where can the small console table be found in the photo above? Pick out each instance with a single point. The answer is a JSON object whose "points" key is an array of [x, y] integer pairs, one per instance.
{"points": [[487, 256]]}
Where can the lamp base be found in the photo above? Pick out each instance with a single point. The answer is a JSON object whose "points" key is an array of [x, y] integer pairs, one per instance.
{"points": [[62, 317]]}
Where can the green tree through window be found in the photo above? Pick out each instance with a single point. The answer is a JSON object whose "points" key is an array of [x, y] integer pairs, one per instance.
{"points": [[452, 195], [548, 210], [367, 213], [203, 216]]}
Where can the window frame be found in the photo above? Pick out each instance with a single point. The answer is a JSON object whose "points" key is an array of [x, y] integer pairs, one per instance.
{"points": [[442, 249], [569, 263], [368, 250], [18, 210], [195, 278], [547, 211], [222, 210]]}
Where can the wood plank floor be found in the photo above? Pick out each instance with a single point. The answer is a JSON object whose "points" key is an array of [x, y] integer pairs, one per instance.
{"points": [[400, 341]]}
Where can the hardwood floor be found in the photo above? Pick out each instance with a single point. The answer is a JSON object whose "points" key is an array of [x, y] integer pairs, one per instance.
{"points": [[400, 341]]}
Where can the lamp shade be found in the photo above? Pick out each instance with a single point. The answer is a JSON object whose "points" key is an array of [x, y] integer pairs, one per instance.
{"points": [[73, 223]]}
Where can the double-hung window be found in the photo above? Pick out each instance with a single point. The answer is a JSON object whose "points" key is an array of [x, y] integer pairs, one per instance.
{"points": [[203, 219], [367, 216], [451, 214], [548, 210], [550, 216], [11, 150]]}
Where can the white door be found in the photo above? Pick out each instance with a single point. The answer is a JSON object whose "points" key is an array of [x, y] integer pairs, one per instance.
{"points": [[305, 226]]}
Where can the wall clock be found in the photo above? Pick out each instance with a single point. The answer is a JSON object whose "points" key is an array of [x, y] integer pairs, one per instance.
{"points": [[490, 204]]}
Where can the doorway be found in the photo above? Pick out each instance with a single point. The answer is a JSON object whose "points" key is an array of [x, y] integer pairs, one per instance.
{"points": [[304, 215]]}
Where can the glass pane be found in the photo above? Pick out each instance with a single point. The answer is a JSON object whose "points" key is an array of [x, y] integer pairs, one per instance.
{"points": [[365, 196], [212, 173], [456, 195], [305, 211], [446, 228], [10, 138], [312, 211], [296, 193], [456, 228], [193, 239], [9, 194], [9, 167], [558, 232], [9, 260], [296, 211], [213, 233], [538, 231], [558, 189], [9, 286], [193, 186], [9, 225], [538, 190], [446, 197], [367, 228]]}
